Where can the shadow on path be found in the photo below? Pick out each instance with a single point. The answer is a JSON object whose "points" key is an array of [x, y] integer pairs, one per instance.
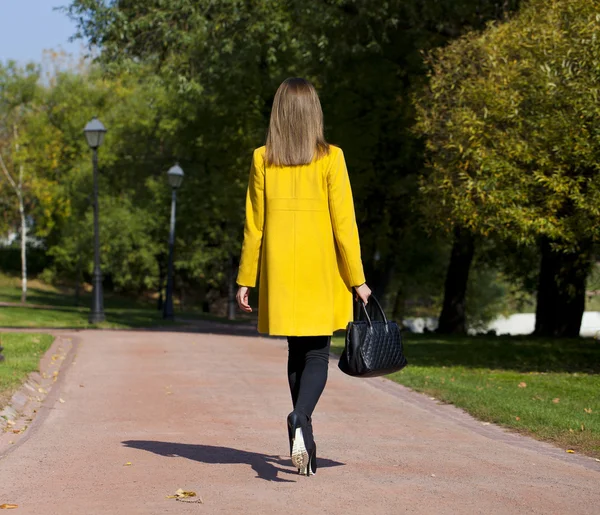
{"points": [[265, 465]]}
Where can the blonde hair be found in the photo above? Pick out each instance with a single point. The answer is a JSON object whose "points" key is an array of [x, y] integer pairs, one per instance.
{"points": [[295, 134]]}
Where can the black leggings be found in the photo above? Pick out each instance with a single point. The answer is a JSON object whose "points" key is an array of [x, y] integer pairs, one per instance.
{"points": [[308, 360]]}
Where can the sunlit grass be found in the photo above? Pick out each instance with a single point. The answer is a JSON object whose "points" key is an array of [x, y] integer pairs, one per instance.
{"points": [[22, 353]]}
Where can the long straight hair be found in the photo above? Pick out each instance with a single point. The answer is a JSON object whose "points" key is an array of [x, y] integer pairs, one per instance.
{"points": [[295, 134]]}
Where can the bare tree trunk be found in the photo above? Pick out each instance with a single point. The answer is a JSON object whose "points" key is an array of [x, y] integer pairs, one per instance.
{"points": [[23, 223], [561, 291], [23, 249], [18, 187], [453, 317]]}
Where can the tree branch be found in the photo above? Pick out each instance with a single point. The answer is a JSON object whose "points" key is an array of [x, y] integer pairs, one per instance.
{"points": [[9, 177]]}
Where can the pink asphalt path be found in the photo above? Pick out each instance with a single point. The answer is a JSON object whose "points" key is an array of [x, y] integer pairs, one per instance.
{"points": [[207, 413]]}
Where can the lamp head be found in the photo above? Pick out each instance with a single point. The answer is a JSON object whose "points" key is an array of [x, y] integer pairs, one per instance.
{"points": [[94, 133], [175, 175]]}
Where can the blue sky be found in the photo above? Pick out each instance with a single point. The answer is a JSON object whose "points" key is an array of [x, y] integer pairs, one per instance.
{"points": [[30, 26]]}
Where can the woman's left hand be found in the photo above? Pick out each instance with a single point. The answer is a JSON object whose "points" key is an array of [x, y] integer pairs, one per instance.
{"points": [[242, 299]]}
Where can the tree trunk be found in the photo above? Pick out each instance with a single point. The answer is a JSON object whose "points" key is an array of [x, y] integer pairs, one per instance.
{"points": [[231, 301], [561, 291], [452, 319], [23, 223], [79, 277], [379, 273], [161, 282], [23, 251], [399, 307]]}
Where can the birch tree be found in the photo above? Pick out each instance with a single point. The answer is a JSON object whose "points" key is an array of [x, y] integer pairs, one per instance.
{"points": [[18, 87]]}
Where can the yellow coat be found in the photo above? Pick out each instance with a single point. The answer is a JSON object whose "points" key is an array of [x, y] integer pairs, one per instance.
{"points": [[301, 234]]}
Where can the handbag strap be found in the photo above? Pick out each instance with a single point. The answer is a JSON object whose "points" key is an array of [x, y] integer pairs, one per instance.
{"points": [[364, 308]]}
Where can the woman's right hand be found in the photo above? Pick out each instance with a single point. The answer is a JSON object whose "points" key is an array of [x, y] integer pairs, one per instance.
{"points": [[363, 292], [242, 299]]}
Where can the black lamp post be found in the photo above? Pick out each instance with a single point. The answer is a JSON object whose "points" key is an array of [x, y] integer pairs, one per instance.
{"points": [[94, 134], [175, 175]]}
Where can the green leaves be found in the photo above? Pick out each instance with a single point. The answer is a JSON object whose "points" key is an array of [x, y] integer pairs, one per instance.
{"points": [[508, 119]]}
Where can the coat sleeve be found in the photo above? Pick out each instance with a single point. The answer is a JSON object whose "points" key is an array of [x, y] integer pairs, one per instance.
{"points": [[343, 219], [255, 221]]}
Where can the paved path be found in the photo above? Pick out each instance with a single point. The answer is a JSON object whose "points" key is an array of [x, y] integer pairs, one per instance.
{"points": [[207, 413]]}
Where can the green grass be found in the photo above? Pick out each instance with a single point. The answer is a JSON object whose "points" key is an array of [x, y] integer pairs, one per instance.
{"points": [[22, 353], [51, 307], [549, 389]]}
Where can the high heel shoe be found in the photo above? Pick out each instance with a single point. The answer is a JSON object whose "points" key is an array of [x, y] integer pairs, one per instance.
{"points": [[298, 445], [311, 469]]}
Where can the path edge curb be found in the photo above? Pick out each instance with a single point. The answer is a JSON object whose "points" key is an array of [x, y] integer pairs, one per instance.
{"points": [[31, 403]]}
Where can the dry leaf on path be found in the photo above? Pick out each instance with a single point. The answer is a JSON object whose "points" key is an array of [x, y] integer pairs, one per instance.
{"points": [[127, 464], [570, 451], [61, 400], [182, 494], [522, 384], [8, 506]]}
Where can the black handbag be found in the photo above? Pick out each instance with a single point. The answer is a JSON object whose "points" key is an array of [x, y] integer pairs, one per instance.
{"points": [[373, 347]]}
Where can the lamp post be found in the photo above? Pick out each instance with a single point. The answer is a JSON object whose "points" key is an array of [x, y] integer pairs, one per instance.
{"points": [[94, 134], [175, 175]]}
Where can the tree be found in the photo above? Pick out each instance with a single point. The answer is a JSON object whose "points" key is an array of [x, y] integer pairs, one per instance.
{"points": [[509, 120], [18, 89], [221, 62]]}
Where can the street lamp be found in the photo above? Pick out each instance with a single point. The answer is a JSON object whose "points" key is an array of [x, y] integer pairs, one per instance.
{"points": [[94, 134], [175, 175]]}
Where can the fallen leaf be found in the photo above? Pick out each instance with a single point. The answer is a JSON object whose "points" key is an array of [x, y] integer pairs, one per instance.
{"points": [[517, 418], [42, 390], [17, 431], [432, 475], [522, 385], [61, 400], [597, 459], [587, 410], [556, 401], [180, 494], [8, 506], [570, 451], [127, 464], [10, 422], [81, 386]]}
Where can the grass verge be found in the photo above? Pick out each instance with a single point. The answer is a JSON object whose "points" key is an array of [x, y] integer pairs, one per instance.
{"points": [[547, 389], [50, 307], [22, 353]]}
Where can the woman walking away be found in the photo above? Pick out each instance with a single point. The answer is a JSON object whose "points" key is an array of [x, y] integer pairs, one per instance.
{"points": [[301, 238]]}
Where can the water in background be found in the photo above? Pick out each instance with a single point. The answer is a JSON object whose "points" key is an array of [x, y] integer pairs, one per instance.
{"points": [[519, 323]]}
